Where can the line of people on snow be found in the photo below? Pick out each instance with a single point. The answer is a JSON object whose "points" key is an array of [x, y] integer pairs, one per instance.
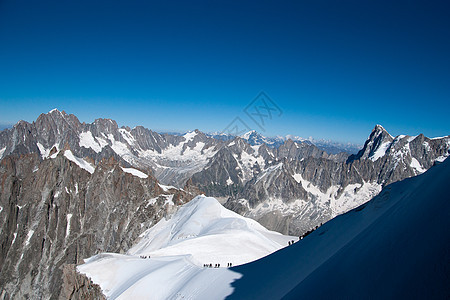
{"points": [[229, 265], [309, 232], [144, 256]]}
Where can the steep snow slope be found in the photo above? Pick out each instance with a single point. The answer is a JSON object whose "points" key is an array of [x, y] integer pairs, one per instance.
{"points": [[201, 232], [395, 246]]}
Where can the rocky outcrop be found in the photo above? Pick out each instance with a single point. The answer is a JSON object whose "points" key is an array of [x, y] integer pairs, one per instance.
{"points": [[77, 286], [375, 144]]}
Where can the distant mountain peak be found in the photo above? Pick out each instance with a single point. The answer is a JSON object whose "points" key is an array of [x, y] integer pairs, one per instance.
{"points": [[57, 112], [250, 133], [254, 138], [53, 110], [378, 129]]}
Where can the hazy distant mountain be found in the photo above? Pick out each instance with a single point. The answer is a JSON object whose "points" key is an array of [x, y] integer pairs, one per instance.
{"points": [[331, 147], [5, 126]]}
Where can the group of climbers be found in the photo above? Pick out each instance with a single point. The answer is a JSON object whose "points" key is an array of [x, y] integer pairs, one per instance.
{"points": [[216, 265]]}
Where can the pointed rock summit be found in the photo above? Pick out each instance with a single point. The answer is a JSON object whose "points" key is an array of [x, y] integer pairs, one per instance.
{"points": [[376, 145]]}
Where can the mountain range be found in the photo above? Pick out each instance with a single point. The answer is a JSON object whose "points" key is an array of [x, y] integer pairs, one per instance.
{"points": [[395, 245], [70, 190]]}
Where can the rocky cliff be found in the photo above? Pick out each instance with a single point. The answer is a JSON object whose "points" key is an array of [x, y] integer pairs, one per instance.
{"points": [[54, 213]]}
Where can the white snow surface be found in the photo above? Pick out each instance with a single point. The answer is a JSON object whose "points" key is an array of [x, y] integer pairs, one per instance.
{"points": [[87, 141], [2, 151], [441, 158], [166, 188], [45, 153], [380, 152], [68, 218], [127, 136], [28, 238], [79, 161], [135, 172], [352, 196], [396, 245], [201, 232], [417, 166]]}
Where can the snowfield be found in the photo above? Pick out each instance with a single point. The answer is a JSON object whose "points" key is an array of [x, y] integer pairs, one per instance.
{"points": [[168, 261]]}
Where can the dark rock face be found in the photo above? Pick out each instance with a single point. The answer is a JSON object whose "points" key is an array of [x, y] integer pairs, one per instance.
{"points": [[55, 213], [377, 138], [77, 286]]}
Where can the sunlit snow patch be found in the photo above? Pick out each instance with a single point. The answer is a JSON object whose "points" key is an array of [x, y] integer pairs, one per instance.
{"points": [[380, 152], [79, 161], [166, 188], [2, 151], [135, 172], [87, 141]]}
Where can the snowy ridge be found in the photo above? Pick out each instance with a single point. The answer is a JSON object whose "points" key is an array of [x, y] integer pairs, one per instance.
{"points": [[400, 148], [177, 160], [207, 231], [201, 232], [380, 152]]}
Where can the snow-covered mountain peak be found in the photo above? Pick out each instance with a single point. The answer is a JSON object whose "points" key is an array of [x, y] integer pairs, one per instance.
{"points": [[380, 130], [254, 138], [249, 134], [55, 110], [57, 114]]}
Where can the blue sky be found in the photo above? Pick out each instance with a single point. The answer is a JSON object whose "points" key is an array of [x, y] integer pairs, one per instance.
{"points": [[334, 68]]}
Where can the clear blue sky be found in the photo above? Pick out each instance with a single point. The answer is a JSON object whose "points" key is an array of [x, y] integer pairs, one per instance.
{"points": [[335, 68]]}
